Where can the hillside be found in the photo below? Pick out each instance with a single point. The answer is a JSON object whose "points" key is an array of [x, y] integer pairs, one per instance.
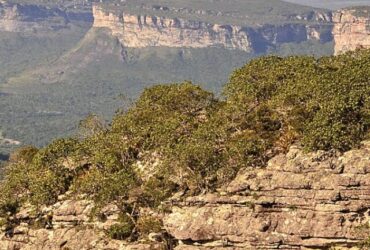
{"points": [[51, 77], [32, 35], [282, 158]]}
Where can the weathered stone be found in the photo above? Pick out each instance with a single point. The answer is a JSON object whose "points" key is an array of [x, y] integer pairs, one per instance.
{"points": [[299, 201], [351, 30], [139, 31]]}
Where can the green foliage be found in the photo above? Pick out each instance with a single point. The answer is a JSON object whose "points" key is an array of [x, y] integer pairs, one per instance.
{"points": [[155, 190], [180, 138], [149, 224], [164, 115], [365, 244], [38, 176], [9, 207], [91, 125], [105, 187], [325, 102], [123, 229], [23, 154]]}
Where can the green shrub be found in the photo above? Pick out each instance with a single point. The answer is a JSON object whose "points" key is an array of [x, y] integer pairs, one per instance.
{"points": [[324, 102], [23, 154], [123, 229], [148, 224], [8, 207], [104, 187], [163, 115], [38, 176], [155, 190]]}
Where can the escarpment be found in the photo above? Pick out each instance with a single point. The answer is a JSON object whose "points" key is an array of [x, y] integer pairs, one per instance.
{"points": [[151, 26], [352, 29], [299, 201], [138, 31]]}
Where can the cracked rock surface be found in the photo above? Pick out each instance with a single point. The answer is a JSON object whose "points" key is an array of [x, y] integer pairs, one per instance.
{"points": [[299, 201], [318, 200]]}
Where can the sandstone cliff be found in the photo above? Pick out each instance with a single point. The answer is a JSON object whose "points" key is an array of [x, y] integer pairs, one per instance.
{"points": [[299, 201], [160, 28], [138, 31], [351, 29]]}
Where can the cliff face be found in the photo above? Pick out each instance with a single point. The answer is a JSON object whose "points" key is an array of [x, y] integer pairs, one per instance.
{"points": [[351, 29], [300, 201], [144, 31], [138, 31]]}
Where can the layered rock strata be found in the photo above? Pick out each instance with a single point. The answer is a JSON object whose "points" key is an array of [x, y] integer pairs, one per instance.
{"points": [[140, 31], [299, 201], [351, 29], [65, 225]]}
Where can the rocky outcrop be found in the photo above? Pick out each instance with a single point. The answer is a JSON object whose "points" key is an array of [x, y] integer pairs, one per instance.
{"points": [[299, 201], [145, 31], [65, 225], [351, 29], [138, 31], [36, 18]]}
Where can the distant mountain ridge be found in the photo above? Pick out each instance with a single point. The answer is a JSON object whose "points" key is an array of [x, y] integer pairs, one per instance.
{"points": [[142, 30], [35, 18]]}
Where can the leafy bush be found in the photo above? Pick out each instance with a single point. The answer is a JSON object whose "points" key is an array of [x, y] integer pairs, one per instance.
{"points": [[324, 102], [149, 224], [24, 154], [38, 176], [104, 187], [123, 229]]}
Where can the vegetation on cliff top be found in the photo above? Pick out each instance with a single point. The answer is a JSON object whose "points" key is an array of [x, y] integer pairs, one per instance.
{"points": [[179, 137]]}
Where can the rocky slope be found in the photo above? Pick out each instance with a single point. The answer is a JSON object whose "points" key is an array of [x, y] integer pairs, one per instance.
{"points": [[299, 201], [138, 31], [351, 29]]}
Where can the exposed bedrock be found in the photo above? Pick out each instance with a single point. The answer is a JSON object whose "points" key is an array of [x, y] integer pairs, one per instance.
{"points": [[351, 29], [140, 31], [299, 201]]}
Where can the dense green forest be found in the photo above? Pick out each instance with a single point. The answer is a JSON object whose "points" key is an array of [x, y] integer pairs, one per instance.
{"points": [[179, 137]]}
